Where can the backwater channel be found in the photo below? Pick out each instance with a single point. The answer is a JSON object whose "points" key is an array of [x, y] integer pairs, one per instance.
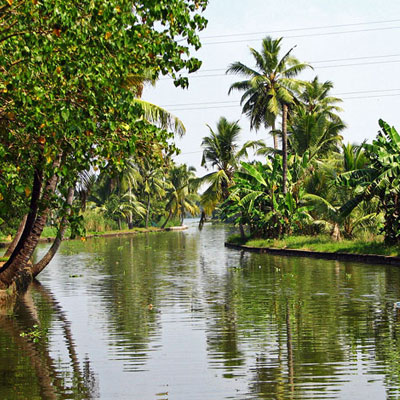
{"points": [[177, 316]]}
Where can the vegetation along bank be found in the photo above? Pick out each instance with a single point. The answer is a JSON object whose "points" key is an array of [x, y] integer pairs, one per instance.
{"points": [[81, 151]]}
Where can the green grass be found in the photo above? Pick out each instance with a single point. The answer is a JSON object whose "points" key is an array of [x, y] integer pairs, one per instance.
{"points": [[325, 244], [236, 239]]}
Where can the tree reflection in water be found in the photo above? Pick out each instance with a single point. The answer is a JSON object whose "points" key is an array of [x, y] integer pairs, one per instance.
{"points": [[30, 369]]}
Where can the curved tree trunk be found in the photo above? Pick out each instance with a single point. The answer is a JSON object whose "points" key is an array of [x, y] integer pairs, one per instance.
{"points": [[284, 147], [30, 220], [17, 237], [38, 267], [166, 221], [19, 259]]}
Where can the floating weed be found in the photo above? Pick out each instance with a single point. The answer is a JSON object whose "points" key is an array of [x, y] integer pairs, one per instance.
{"points": [[75, 276], [34, 334]]}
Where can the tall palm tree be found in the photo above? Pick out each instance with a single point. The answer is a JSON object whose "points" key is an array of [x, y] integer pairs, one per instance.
{"points": [[270, 88], [315, 98], [149, 182], [181, 195], [315, 133], [221, 151]]}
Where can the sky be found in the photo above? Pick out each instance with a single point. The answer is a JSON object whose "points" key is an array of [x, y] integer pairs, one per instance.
{"points": [[353, 43]]}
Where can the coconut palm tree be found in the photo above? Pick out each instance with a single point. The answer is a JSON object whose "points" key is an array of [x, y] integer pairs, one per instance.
{"points": [[181, 196], [221, 152], [315, 133], [149, 182], [151, 112], [315, 98], [270, 88]]}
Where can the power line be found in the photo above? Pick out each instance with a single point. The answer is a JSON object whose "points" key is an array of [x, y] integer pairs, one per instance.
{"points": [[357, 64], [238, 105], [300, 29], [306, 35], [234, 101], [370, 97], [317, 67], [313, 62]]}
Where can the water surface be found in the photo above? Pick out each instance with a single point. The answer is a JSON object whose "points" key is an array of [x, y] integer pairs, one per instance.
{"points": [[177, 316]]}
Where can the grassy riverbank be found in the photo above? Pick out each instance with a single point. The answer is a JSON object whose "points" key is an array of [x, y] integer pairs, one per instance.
{"points": [[322, 244]]}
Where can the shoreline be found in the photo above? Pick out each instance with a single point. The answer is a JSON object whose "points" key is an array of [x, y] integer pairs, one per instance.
{"points": [[363, 258], [133, 231]]}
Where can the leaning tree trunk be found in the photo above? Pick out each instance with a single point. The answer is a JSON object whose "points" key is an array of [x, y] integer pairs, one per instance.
{"points": [[166, 221], [16, 264], [284, 147], [31, 217], [17, 237], [38, 267]]}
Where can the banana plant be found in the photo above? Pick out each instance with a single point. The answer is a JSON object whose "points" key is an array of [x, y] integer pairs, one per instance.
{"points": [[257, 198], [380, 180]]}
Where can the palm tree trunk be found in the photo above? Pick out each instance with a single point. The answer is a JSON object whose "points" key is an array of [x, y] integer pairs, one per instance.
{"points": [[202, 219], [166, 221], [17, 237], [130, 221], [148, 210], [275, 137], [38, 267], [242, 232], [284, 147], [335, 234]]}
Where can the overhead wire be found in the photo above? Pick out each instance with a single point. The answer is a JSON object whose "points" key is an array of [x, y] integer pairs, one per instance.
{"points": [[234, 101], [305, 35], [238, 104], [300, 29], [312, 62]]}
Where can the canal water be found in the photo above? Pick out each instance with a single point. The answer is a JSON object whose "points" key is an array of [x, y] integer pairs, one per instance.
{"points": [[177, 316]]}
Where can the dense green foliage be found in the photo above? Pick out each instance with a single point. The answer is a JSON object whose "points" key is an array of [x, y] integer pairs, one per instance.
{"points": [[69, 99], [71, 116], [315, 184]]}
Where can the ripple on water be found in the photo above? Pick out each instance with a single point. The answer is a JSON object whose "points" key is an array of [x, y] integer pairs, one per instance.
{"points": [[178, 316]]}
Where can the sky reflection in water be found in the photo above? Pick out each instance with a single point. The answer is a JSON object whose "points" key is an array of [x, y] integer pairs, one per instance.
{"points": [[177, 316]]}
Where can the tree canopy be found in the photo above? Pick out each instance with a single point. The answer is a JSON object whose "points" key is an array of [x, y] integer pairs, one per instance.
{"points": [[64, 103]]}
